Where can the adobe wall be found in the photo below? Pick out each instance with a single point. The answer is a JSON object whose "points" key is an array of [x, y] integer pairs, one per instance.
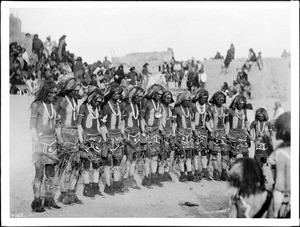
{"points": [[139, 59]]}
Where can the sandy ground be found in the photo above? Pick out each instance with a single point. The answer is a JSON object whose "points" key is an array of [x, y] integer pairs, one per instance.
{"points": [[157, 202]]}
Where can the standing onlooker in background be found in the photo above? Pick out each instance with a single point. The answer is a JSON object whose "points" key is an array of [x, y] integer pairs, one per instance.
{"points": [[259, 61], [37, 46], [132, 76], [227, 60], [106, 63], [78, 68], [62, 47], [48, 46], [28, 43], [119, 74], [232, 51], [145, 75], [25, 56]]}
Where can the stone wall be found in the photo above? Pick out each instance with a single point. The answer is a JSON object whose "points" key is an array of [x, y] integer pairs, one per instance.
{"points": [[15, 32]]}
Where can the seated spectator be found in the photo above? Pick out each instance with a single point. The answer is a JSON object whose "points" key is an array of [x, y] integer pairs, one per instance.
{"points": [[16, 80], [31, 83], [25, 57], [251, 59]]}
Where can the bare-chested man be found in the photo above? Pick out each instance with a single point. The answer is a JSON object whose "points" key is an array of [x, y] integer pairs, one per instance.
{"points": [[219, 121], [168, 136], [91, 141], [112, 133], [239, 134], [151, 114], [201, 122], [184, 135], [43, 119], [131, 117], [68, 140]]}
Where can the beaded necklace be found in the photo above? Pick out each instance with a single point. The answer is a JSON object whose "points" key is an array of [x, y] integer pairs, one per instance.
{"points": [[167, 110], [135, 115], [188, 112], [112, 109], [94, 114], [72, 106], [221, 115], [156, 108], [239, 113], [259, 126], [48, 114], [201, 109]]}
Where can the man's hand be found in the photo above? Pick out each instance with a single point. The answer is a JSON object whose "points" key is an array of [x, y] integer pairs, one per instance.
{"points": [[82, 146]]}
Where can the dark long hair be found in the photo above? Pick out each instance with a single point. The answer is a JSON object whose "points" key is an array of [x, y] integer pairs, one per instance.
{"points": [[112, 89], [215, 95], [283, 127], [43, 90], [236, 101], [201, 92], [247, 176], [67, 86], [262, 111]]}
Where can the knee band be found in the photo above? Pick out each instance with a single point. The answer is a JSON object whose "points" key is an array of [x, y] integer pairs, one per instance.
{"points": [[49, 170], [214, 157], [154, 158], [134, 156], [86, 164], [189, 153], [96, 165], [196, 152], [203, 152]]}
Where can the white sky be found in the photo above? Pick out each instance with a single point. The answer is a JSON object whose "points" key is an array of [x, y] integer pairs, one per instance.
{"points": [[194, 29]]}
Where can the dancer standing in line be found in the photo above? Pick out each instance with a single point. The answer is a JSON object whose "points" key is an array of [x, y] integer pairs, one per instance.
{"points": [[201, 119], [168, 137], [131, 113], [261, 131], [219, 120], [184, 135], [151, 114], [70, 164], [239, 133], [43, 119], [91, 142], [112, 131]]}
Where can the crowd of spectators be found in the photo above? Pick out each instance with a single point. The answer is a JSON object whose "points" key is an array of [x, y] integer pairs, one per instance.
{"points": [[36, 61]]}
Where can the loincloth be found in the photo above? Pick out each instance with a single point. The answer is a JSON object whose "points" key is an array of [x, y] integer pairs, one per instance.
{"points": [[116, 146], [185, 138], [154, 140], [219, 143], [238, 142], [45, 150], [200, 141]]}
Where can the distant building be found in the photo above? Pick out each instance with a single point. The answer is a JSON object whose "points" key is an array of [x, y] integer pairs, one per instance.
{"points": [[139, 59]]}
